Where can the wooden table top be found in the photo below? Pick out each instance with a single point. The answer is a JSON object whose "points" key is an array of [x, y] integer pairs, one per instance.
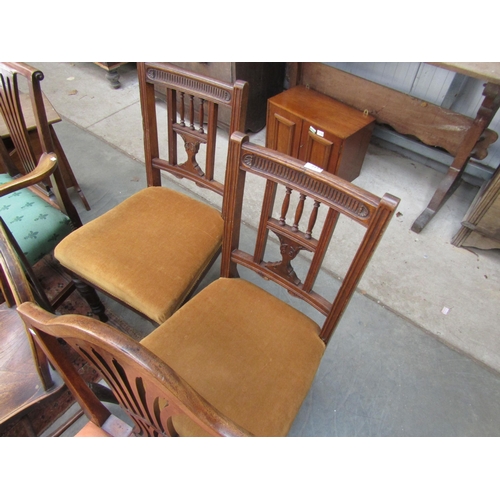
{"points": [[488, 71], [29, 117]]}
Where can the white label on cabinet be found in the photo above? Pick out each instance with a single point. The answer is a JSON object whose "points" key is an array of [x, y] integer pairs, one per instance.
{"points": [[312, 129], [313, 167], [320, 133]]}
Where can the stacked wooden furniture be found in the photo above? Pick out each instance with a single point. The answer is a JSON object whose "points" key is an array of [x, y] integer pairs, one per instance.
{"points": [[235, 360], [37, 222], [459, 135], [315, 128]]}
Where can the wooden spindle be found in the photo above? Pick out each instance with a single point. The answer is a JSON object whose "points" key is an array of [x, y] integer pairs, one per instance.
{"points": [[312, 220], [191, 112], [298, 213], [202, 105], [284, 207], [183, 123]]}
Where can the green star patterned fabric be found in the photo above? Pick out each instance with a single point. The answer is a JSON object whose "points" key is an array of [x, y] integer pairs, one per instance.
{"points": [[36, 225]]}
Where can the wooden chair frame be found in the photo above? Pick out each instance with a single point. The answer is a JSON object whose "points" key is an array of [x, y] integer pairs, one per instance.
{"points": [[184, 90], [183, 119], [338, 195]]}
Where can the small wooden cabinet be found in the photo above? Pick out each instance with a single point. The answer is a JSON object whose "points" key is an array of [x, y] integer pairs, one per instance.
{"points": [[313, 127]]}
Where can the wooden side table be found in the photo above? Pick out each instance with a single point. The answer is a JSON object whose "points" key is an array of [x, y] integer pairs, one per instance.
{"points": [[318, 129]]}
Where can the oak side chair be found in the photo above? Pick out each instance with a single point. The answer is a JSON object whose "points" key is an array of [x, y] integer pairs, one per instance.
{"points": [[150, 251], [38, 221], [235, 359]]}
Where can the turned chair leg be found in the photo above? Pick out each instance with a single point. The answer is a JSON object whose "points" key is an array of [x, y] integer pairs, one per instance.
{"points": [[92, 299]]}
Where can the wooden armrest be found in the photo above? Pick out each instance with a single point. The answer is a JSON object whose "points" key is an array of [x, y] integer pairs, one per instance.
{"points": [[45, 167]]}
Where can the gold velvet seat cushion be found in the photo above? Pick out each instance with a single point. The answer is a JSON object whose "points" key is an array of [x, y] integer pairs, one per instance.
{"points": [[149, 251], [249, 354]]}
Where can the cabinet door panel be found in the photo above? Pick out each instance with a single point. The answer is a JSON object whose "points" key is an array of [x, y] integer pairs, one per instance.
{"points": [[319, 147], [283, 131]]}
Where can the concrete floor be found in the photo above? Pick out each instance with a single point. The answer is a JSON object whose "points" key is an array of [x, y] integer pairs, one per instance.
{"points": [[397, 366]]}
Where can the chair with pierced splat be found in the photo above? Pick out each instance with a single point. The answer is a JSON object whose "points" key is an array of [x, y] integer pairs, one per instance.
{"points": [[236, 360]]}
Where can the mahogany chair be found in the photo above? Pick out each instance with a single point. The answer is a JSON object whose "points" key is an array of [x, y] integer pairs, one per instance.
{"points": [[37, 220], [235, 359], [25, 378], [150, 251]]}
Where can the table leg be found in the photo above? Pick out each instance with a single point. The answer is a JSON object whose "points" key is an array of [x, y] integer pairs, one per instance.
{"points": [[114, 78], [489, 107]]}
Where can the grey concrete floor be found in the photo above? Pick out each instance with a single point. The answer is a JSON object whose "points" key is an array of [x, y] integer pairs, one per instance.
{"points": [[397, 366]]}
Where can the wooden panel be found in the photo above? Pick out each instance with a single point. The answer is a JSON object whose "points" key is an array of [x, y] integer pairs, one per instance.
{"points": [[21, 385], [481, 223], [321, 150], [353, 153], [283, 131], [408, 115], [399, 76]]}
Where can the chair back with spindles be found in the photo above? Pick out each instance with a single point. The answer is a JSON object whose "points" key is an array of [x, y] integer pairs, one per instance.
{"points": [[13, 115], [11, 109], [324, 191], [192, 103]]}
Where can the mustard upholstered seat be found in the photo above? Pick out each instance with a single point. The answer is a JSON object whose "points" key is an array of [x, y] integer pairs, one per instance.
{"points": [[152, 250], [148, 252], [248, 353]]}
